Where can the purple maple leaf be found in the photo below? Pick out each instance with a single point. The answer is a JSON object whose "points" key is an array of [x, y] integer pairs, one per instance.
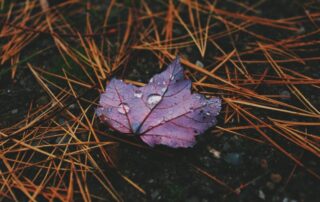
{"points": [[162, 112]]}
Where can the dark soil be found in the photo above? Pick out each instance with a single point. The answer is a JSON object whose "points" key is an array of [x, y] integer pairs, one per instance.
{"points": [[258, 171]]}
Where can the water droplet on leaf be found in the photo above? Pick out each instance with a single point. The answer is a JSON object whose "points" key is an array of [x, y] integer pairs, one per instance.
{"points": [[137, 94], [116, 125], [109, 110], [135, 127], [213, 101], [123, 108], [130, 114], [153, 99]]}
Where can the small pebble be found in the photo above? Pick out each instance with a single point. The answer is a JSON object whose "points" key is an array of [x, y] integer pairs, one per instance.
{"points": [[262, 195], [193, 199], [264, 163], [189, 49], [61, 121], [14, 111], [276, 178], [42, 100], [270, 185], [72, 106], [199, 63], [151, 181], [238, 191], [301, 30], [285, 199], [285, 95], [155, 194], [216, 154]]}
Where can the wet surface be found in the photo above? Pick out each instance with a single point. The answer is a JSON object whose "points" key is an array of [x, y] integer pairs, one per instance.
{"points": [[256, 171]]}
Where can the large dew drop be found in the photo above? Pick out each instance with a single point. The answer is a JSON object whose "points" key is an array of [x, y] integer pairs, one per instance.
{"points": [[123, 108], [153, 99]]}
